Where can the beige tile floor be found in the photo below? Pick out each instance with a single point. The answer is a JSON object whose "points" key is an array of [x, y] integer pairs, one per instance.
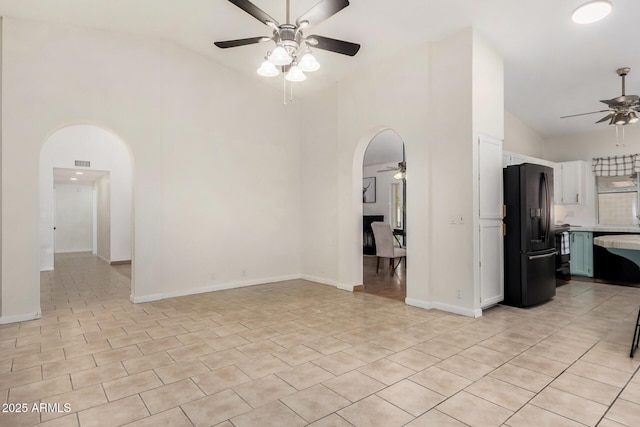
{"points": [[298, 353]]}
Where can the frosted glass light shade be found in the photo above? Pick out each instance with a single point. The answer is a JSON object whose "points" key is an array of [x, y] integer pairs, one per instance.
{"points": [[633, 118], [308, 63], [591, 12], [399, 175], [267, 69], [619, 119], [280, 56], [295, 74]]}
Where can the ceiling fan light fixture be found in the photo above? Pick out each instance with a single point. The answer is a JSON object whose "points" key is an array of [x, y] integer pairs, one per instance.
{"points": [[267, 69], [400, 175], [308, 63], [591, 12], [620, 119], [295, 74], [633, 118], [280, 56]]}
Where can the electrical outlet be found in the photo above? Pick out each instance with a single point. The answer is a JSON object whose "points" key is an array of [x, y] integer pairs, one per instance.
{"points": [[459, 293], [460, 219], [213, 276], [452, 219], [243, 272]]}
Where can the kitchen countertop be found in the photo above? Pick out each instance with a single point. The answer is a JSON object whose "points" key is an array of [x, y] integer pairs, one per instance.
{"points": [[624, 241], [607, 228]]}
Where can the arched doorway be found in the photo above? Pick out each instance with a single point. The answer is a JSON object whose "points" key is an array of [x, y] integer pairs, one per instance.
{"points": [[86, 176], [384, 200]]}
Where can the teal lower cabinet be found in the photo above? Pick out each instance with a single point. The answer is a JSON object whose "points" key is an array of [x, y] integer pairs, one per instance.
{"points": [[582, 253]]}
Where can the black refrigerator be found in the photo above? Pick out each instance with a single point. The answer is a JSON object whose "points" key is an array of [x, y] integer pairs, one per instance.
{"points": [[529, 241]]}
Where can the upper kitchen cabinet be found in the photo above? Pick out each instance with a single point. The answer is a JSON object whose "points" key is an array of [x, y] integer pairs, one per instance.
{"points": [[570, 182]]}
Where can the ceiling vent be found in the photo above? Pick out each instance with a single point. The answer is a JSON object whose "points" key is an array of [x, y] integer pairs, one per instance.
{"points": [[83, 163]]}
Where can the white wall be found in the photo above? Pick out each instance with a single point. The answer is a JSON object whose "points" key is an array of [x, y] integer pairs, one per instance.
{"points": [[382, 206], [411, 93], [103, 217], [586, 146], [106, 153], [319, 188], [190, 125], [74, 218], [393, 94], [521, 138]]}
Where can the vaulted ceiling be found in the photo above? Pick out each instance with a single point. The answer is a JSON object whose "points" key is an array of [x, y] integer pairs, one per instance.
{"points": [[553, 67]]}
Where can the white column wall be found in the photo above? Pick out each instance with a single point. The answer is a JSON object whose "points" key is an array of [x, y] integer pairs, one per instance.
{"points": [[450, 172], [216, 189]]}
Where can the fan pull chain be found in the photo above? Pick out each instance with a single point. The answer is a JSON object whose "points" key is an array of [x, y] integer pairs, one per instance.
{"points": [[618, 144], [284, 91], [291, 91]]}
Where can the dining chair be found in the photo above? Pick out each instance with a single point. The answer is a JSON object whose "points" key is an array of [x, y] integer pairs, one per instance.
{"points": [[385, 245]]}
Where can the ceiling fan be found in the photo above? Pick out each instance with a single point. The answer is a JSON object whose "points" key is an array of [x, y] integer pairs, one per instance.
{"points": [[622, 109], [401, 169], [290, 36]]}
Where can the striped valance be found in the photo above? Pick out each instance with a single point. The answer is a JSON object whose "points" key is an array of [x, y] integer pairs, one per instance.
{"points": [[617, 165]]}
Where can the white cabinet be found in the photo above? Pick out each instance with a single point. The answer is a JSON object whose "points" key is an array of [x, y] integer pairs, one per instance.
{"points": [[491, 263], [569, 179], [490, 179], [490, 202]]}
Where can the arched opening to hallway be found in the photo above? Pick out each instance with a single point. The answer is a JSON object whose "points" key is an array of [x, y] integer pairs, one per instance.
{"points": [[86, 203], [384, 200]]}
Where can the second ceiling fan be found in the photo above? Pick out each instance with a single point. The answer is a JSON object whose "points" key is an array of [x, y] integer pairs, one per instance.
{"points": [[622, 110]]}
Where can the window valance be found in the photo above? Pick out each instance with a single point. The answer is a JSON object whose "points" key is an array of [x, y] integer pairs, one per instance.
{"points": [[617, 165]]}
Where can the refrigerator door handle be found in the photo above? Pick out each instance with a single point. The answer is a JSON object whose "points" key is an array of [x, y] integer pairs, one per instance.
{"points": [[554, 253], [547, 207]]}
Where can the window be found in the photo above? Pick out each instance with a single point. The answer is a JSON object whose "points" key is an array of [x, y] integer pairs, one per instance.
{"points": [[617, 199], [396, 205]]}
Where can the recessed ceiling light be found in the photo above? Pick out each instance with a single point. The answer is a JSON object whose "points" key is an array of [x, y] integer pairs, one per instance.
{"points": [[79, 173], [73, 179], [592, 12]]}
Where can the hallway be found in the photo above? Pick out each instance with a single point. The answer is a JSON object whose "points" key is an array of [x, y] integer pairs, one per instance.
{"points": [[296, 353]]}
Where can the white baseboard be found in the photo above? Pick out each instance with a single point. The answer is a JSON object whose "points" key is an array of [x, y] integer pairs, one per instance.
{"points": [[418, 303], [444, 307], [20, 317], [321, 280], [103, 258], [344, 287], [211, 288], [329, 282], [239, 284]]}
